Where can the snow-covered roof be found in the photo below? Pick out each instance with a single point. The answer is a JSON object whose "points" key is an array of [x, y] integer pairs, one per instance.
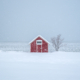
{"points": [[40, 37]]}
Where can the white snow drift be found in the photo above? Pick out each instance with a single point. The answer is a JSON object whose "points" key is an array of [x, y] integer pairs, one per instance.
{"points": [[39, 66]]}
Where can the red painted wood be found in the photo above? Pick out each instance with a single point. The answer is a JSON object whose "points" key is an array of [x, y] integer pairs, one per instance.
{"points": [[39, 48]]}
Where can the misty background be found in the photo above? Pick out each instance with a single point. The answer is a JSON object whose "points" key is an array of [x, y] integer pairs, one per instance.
{"points": [[23, 20]]}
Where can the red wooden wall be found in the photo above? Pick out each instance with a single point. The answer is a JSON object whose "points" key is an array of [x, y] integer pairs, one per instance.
{"points": [[34, 46]]}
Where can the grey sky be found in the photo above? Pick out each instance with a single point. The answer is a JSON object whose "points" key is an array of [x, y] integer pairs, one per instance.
{"points": [[23, 20]]}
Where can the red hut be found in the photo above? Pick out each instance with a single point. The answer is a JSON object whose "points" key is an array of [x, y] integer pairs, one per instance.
{"points": [[39, 44]]}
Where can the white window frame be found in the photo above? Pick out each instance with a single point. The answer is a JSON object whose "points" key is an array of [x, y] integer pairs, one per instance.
{"points": [[39, 41]]}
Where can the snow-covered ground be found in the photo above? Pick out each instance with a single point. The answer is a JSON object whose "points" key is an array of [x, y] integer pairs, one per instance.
{"points": [[18, 46], [39, 66]]}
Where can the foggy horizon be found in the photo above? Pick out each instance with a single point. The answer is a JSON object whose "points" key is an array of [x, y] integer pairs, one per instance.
{"points": [[23, 20]]}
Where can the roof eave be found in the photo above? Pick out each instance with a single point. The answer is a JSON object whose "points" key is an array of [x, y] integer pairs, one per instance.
{"points": [[41, 37]]}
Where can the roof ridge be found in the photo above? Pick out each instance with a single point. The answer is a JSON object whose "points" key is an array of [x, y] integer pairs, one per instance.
{"points": [[37, 37]]}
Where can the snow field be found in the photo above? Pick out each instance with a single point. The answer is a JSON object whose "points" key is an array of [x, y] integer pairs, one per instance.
{"points": [[39, 66], [17, 46]]}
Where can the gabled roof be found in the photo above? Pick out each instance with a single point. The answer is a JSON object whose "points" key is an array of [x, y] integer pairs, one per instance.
{"points": [[40, 37]]}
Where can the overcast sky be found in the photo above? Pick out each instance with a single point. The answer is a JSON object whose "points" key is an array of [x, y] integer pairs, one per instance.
{"points": [[23, 20]]}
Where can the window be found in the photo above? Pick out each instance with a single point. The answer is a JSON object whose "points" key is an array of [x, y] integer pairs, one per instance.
{"points": [[39, 42]]}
